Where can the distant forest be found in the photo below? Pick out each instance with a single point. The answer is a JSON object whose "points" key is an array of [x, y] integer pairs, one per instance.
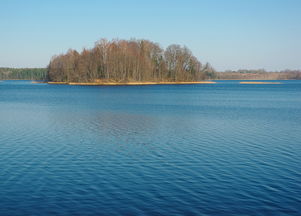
{"points": [[259, 75], [23, 73], [128, 61]]}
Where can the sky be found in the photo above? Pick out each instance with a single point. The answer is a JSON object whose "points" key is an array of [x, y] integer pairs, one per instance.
{"points": [[229, 34]]}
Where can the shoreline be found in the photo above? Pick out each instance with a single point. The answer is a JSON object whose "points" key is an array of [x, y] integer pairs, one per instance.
{"points": [[127, 83], [258, 82]]}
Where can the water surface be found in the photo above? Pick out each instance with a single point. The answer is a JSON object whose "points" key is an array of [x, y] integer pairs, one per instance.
{"points": [[222, 149]]}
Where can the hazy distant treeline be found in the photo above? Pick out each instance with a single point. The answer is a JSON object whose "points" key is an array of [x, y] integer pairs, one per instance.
{"points": [[23, 73], [259, 75], [128, 60]]}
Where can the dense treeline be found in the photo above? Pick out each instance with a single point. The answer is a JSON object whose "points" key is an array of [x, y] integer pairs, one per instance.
{"points": [[260, 74], [126, 61], [23, 73]]}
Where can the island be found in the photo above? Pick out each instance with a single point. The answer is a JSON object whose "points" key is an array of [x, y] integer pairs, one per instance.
{"points": [[128, 62]]}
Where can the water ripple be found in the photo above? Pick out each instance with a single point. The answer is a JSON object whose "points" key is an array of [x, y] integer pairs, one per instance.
{"points": [[155, 150]]}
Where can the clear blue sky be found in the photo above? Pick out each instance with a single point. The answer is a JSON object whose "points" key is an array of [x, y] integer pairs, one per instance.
{"points": [[230, 34]]}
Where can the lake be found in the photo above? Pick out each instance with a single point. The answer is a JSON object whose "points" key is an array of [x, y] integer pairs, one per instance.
{"points": [[220, 149]]}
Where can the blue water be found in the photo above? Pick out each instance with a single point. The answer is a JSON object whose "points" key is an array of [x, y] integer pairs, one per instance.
{"points": [[221, 149]]}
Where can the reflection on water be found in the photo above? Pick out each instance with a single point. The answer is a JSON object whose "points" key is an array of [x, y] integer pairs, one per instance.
{"points": [[224, 149]]}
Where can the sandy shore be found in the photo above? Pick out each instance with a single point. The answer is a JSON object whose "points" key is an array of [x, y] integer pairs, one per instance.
{"points": [[260, 82], [128, 83]]}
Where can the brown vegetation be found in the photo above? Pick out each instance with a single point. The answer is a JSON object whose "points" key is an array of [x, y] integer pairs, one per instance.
{"points": [[128, 61]]}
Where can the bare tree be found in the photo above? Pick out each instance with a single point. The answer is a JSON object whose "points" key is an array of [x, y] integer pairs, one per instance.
{"points": [[128, 60]]}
